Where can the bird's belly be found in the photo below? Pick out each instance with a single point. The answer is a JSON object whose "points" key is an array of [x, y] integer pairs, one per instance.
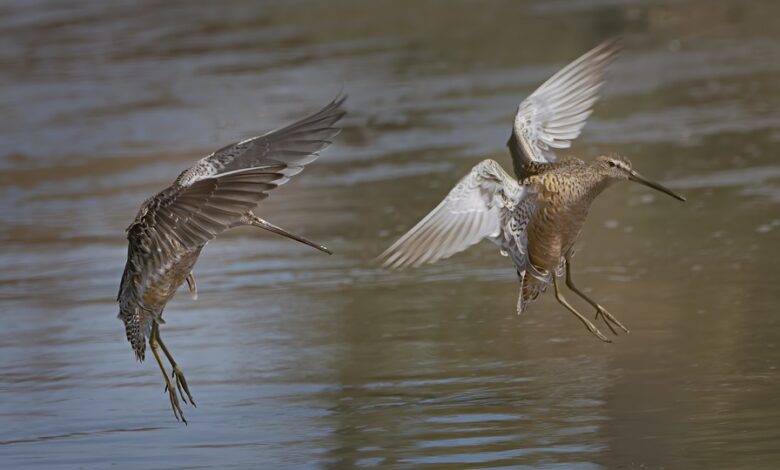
{"points": [[550, 236], [164, 285]]}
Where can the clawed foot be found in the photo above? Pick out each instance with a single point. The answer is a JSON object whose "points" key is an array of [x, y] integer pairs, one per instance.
{"points": [[177, 411], [596, 332], [181, 385], [609, 319], [600, 311]]}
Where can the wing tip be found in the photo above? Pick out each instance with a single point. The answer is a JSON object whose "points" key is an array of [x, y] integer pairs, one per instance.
{"points": [[336, 105], [575, 86], [390, 258], [612, 44]]}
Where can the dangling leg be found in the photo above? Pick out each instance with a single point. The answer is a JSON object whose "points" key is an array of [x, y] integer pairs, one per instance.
{"points": [[177, 374], [606, 316], [590, 326], [153, 342]]}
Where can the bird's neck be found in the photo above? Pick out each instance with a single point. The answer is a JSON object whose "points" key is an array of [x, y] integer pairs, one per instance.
{"points": [[597, 183]]}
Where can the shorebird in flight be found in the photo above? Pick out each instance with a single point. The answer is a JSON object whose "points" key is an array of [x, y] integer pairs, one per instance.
{"points": [[219, 192], [536, 216]]}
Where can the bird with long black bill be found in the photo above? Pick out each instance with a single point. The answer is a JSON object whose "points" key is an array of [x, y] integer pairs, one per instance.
{"points": [[535, 216], [219, 192]]}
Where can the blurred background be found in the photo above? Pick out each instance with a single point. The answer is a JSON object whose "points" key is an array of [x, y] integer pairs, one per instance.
{"points": [[301, 360]]}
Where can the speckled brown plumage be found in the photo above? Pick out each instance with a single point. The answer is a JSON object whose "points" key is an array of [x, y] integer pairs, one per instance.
{"points": [[564, 192], [536, 218]]}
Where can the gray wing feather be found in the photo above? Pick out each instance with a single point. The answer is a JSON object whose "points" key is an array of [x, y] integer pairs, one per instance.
{"points": [[182, 219], [554, 115], [294, 146], [216, 192], [473, 210]]}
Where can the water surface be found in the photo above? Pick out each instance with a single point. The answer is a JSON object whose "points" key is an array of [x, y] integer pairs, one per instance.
{"points": [[300, 360]]}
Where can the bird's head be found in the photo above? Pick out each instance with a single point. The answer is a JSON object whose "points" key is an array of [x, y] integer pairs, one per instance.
{"points": [[617, 167]]}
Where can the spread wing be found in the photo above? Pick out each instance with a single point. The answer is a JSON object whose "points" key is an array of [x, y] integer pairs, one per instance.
{"points": [[554, 115], [474, 209], [193, 215], [294, 146], [181, 219], [213, 195], [220, 189]]}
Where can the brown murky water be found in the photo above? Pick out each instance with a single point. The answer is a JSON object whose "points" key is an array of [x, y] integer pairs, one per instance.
{"points": [[297, 359]]}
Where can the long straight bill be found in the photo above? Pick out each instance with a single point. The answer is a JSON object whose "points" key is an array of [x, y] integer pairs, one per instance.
{"points": [[634, 176]]}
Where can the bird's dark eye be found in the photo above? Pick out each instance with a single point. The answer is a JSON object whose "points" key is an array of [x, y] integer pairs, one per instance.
{"points": [[611, 163]]}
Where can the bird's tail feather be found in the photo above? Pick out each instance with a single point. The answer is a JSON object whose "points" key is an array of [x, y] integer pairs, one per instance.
{"points": [[137, 328], [532, 284]]}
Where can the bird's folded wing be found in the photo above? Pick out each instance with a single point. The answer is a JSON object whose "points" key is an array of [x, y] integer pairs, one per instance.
{"points": [[294, 146], [471, 211], [554, 115]]}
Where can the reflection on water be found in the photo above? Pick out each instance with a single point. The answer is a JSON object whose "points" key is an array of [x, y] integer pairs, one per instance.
{"points": [[300, 359]]}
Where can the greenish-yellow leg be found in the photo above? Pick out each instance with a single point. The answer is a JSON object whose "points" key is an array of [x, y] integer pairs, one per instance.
{"points": [[605, 315], [153, 343], [590, 326], [177, 374]]}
